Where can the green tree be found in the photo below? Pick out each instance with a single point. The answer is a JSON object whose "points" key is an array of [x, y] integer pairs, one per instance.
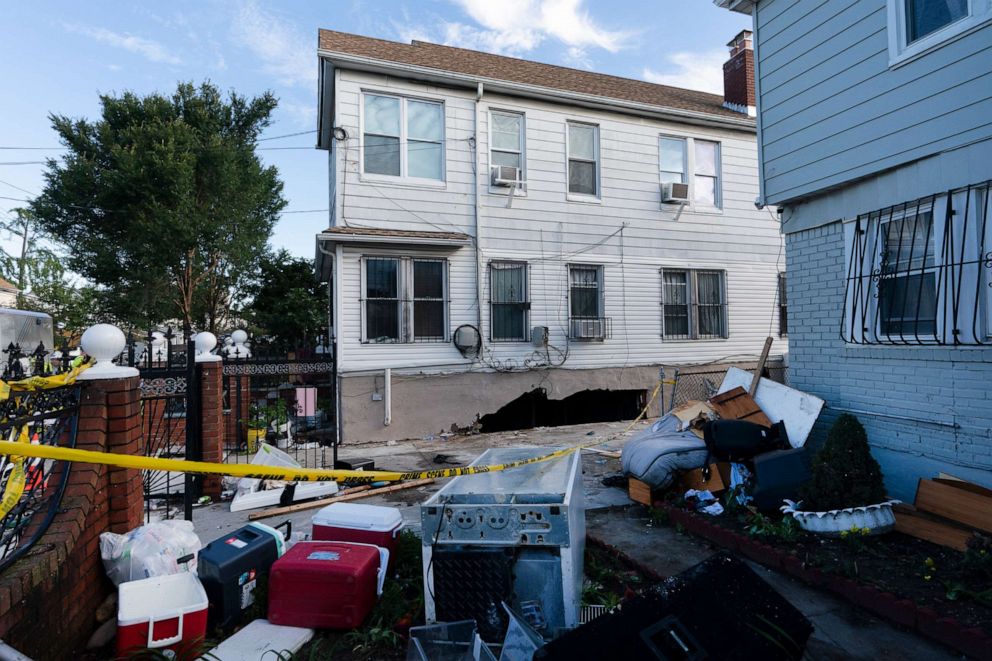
{"points": [[163, 203], [288, 304]]}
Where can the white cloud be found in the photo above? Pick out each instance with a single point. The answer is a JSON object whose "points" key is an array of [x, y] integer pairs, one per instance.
{"points": [[515, 27], [695, 71], [303, 115], [286, 54], [150, 50]]}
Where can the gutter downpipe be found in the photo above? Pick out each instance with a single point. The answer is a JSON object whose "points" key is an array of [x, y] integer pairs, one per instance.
{"points": [[333, 327], [478, 221]]}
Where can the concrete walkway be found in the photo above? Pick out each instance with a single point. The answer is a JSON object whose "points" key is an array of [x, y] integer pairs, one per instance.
{"points": [[842, 631]]}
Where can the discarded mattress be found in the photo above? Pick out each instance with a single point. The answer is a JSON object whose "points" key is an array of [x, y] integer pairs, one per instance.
{"points": [[657, 455]]}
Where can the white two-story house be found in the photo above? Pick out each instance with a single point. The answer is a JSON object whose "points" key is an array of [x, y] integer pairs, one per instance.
{"points": [[875, 119], [514, 238]]}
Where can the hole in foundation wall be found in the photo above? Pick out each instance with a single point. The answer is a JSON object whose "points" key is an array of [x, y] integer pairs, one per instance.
{"points": [[534, 409]]}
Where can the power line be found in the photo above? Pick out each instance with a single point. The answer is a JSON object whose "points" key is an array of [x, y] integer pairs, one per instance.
{"points": [[23, 190], [23, 162], [287, 135]]}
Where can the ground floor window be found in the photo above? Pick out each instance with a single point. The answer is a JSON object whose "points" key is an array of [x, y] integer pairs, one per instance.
{"points": [[509, 303], [585, 303], [405, 299], [694, 304]]}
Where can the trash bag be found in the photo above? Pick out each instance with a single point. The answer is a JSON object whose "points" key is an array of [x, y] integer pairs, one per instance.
{"points": [[156, 549]]}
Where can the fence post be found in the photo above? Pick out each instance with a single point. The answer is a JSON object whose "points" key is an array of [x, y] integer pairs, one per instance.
{"points": [[212, 431]]}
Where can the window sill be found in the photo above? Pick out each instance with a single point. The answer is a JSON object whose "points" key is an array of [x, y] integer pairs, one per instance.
{"points": [[947, 35], [583, 199], [401, 182]]}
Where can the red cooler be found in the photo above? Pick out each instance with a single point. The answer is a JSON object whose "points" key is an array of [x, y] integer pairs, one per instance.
{"points": [[161, 612], [353, 522], [326, 585]]}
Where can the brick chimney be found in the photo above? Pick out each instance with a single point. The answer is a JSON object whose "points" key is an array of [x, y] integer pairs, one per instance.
{"points": [[738, 75]]}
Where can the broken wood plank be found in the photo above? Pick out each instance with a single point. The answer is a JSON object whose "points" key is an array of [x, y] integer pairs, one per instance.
{"points": [[640, 492], [761, 366], [613, 454], [736, 404], [964, 507], [967, 486], [358, 492], [918, 524]]}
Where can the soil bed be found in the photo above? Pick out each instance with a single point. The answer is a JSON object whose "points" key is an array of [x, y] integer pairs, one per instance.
{"points": [[953, 583]]}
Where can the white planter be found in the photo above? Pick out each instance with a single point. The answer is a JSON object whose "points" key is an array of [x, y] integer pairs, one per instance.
{"points": [[876, 518]]}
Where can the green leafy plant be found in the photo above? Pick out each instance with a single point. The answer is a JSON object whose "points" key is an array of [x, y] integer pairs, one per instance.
{"points": [[855, 537], [763, 527], [659, 517], [844, 474]]}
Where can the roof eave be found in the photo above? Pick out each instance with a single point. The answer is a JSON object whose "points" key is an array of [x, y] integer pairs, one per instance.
{"points": [[535, 91], [438, 242], [739, 6]]}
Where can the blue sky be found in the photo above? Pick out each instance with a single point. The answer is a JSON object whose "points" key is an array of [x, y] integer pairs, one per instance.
{"points": [[58, 56]]}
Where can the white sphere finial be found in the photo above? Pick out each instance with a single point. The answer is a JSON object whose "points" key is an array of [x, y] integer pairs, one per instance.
{"points": [[239, 336], [205, 343], [239, 348], [103, 343]]}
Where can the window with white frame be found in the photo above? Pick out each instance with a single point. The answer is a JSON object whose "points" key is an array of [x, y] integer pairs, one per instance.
{"points": [[674, 165], [405, 299], [672, 160], [402, 137], [916, 26], [706, 173], [586, 303], [918, 273], [508, 301], [694, 304], [506, 140], [583, 159]]}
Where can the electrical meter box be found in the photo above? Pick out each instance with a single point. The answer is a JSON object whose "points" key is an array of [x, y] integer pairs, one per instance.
{"points": [[515, 536]]}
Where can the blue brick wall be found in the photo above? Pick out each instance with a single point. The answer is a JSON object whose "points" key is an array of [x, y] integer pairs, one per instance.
{"points": [[952, 387]]}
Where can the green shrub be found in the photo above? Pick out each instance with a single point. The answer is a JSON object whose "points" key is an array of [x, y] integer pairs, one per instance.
{"points": [[844, 474]]}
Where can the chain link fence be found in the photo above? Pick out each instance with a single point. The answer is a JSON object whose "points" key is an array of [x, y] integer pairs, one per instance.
{"points": [[699, 386]]}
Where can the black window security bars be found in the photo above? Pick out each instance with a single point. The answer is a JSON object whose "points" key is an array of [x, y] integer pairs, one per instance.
{"points": [[918, 273], [282, 397], [49, 417]]}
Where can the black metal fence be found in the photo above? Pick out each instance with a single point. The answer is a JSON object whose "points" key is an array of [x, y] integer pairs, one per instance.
{"points": [[281, 397], [46, 417]]}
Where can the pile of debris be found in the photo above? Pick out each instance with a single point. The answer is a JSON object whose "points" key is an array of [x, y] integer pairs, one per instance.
{"points": [[749, 437]]}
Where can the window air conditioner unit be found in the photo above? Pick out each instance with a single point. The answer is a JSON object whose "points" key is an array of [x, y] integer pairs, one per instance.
{"points": [[675, 193], [505, 175], [589, 328]]}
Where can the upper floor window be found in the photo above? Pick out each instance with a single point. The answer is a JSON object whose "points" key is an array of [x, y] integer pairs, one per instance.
{"points": [[506, 140], [405, 300], [694, 304], [706, 173], [509, 300], [674, 165], [403, 137], [916, 26], [583, 159], [918, 273]]}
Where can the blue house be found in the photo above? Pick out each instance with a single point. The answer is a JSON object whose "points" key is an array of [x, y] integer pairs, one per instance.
{"points": [[875, 143]]}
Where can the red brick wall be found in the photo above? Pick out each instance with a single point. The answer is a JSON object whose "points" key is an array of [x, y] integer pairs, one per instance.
{"points": [[212, 430], [48, 597], [738, 79]]}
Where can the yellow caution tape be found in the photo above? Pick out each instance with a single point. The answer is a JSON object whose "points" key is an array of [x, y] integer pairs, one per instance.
{"points": [[279, 473], [14, 488]]}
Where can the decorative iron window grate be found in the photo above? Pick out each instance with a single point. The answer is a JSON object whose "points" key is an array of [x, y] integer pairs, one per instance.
{"points": [[918, 273], [693, 304]]}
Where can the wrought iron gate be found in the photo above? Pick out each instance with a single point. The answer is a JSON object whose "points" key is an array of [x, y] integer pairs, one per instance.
{"points": [[170, 420], [285, 398]]}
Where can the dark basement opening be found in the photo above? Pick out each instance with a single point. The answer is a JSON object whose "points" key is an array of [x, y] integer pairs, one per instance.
{"points": [[534, 409]]}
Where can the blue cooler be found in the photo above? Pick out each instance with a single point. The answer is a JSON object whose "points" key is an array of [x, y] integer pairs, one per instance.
{"points": [[231, 567]]}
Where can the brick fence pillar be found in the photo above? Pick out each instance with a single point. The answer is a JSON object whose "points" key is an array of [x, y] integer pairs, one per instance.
{"points": [[212, 432]]}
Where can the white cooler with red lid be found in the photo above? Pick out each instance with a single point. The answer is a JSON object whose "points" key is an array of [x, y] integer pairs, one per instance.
{"points": [[354, 522]]}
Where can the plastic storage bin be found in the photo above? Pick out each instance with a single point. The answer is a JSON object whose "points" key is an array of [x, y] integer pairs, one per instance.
{"points": [[231, 567], [326, 585], [161, 612], [353, 522]]}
